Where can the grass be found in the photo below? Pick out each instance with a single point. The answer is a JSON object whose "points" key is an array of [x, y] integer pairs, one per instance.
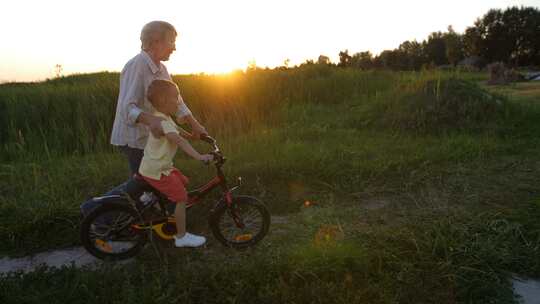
{"points": [[398, 214], [521, 89]]}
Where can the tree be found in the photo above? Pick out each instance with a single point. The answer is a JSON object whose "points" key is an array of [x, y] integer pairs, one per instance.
{"points": [[325, 60], [413, 53], [344, 59], [454, 46], [392, 59], [58, 70], [509, 36], [524, 32], [362, 60], [435, 49], [472, 41], [498, 42]]}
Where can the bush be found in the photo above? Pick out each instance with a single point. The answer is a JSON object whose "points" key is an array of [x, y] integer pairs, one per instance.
{"points": [[436, 105]]}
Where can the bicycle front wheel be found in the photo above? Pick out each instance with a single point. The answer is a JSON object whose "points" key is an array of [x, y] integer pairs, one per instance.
{"points": [[243, 225], [107, 232]]}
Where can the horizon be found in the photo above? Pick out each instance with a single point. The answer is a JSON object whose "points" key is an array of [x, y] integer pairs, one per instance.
{"points": [[218, 40]]}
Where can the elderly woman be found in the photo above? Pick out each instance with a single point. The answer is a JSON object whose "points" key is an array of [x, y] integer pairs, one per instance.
{"points": [[133, 120]]}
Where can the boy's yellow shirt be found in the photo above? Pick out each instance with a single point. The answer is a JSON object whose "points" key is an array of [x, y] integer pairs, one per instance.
{"points": [[159, 152]]}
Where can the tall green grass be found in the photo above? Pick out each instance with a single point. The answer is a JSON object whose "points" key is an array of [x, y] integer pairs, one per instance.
{"points": [[311, 126], [57, 117], [75, 114]]}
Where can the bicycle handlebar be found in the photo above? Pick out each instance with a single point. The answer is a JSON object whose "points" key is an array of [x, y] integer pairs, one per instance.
{"points": [[218, 157], [208, 139]]}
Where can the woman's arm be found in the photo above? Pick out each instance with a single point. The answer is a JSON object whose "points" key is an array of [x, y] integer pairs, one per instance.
{"points": [[184, 115], [196, 127], [184, 133]]}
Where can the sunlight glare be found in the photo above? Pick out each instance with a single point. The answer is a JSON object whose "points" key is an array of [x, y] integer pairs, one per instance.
{"points": [[215, 36]]}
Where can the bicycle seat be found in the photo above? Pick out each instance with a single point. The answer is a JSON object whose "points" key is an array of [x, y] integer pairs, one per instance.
{"points": [[136, 186]]}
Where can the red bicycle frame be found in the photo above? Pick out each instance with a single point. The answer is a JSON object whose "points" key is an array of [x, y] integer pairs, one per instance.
{"points": [[195, 196]]}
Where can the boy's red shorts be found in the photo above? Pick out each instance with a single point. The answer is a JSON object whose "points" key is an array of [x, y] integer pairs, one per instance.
{"points": [[172, 185]]}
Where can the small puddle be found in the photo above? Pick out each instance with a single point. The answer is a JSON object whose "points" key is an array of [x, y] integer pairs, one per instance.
{"points": [[528, 290], [56, 258]]}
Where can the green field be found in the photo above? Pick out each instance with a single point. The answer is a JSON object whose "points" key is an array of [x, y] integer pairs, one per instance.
{"points": [[425, 187]]}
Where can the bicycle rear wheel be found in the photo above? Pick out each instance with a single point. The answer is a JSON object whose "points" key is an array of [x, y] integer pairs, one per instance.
{"points": [[241, 226], [107, 232]]}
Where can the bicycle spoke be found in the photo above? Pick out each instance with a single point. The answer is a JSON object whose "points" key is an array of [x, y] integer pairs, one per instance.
{"points": [[250, 217], [111, 234], [231, 234]]}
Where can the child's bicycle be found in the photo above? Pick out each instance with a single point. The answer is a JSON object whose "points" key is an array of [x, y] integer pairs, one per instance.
{"points": [[121, 225]]}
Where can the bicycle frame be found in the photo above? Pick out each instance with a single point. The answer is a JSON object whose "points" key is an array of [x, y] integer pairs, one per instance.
{"points": [[196, 196]]}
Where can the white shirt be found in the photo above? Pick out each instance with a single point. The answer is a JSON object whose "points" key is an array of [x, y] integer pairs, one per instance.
{"points": [[135, 78]]}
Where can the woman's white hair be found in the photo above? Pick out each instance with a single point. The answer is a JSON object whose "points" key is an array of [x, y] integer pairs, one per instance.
{"points": [[155, 31]]}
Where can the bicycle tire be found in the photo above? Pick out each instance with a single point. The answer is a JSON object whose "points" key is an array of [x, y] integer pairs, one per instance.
{"points": [[90, 245], [243, 204]]}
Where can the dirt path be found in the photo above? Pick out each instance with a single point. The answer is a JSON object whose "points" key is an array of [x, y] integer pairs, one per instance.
{"points": [[78, 256], [528, 290], [55, 258]]}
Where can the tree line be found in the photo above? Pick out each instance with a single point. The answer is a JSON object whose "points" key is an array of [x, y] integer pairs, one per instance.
{"points": [[511, 36]]}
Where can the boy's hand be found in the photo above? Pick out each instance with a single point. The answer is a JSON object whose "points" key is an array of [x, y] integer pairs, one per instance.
{"points": [[207, 158], [153, 123], [155, 126]]}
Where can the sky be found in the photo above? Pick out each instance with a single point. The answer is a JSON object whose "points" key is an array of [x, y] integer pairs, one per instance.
{"points": [[215, 36]]}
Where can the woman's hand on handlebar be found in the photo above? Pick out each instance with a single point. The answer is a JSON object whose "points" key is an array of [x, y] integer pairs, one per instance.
{"points": [[198, 130]]}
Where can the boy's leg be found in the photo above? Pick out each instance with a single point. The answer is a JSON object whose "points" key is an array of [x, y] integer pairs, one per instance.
{"points": [[173, 186], [183, 238], [180, 219]]}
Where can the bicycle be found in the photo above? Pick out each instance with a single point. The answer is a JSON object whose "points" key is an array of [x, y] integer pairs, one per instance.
{"points": [[119, 227]]}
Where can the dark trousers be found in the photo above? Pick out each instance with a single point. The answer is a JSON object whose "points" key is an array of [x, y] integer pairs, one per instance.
{"points": [[134, 157]]}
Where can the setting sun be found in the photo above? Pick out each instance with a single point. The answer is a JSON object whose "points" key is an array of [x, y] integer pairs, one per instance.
{"points": [[214, 36]]}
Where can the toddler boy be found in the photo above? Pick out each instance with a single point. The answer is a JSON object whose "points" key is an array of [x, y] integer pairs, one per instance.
{"points": [[157, 163]]}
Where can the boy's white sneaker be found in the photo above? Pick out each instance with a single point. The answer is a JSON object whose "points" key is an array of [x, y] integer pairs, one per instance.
{"points": [[189, 240]]}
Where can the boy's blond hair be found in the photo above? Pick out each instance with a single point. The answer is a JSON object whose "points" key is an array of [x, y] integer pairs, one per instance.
{"points": [[156, 91]]}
